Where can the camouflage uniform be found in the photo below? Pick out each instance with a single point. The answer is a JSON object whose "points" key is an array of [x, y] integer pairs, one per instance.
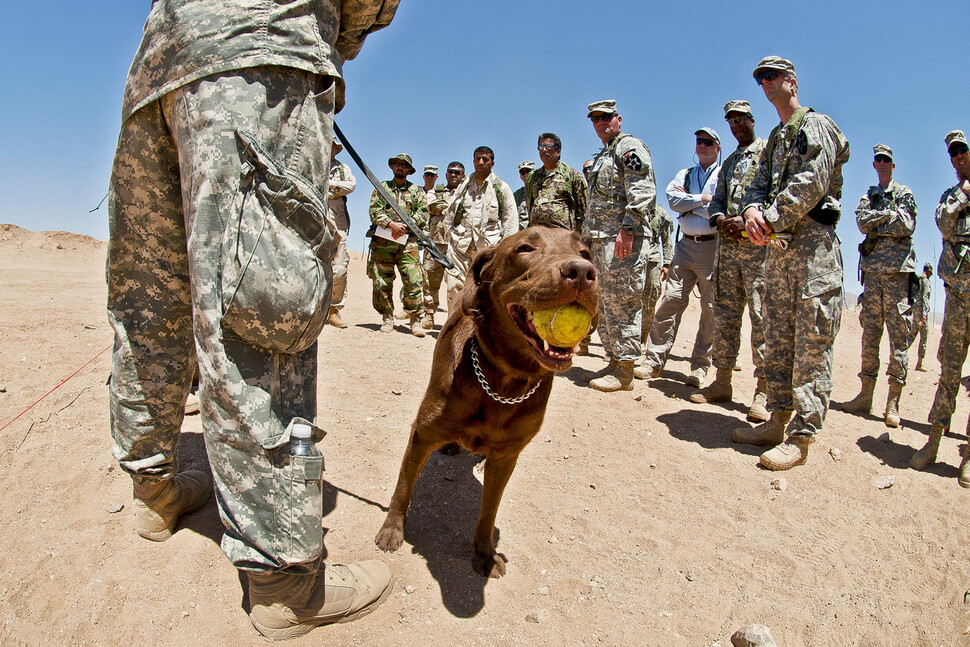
{"points": [[953, 220], [557, 198], [385, 254], [888, 219], [803, 296], [520, 208], [439, 199], [226, 131], [341, 184], [622, 195], [661, 251], [921, 316], [739, 266]]}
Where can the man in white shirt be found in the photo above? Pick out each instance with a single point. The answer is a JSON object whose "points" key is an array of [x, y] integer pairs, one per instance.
{"points": [[689, 194]]}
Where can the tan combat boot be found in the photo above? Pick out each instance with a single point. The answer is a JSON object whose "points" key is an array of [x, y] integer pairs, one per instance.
{"points": [[334, 319], [717, 391], [284, 606], [606, 370], [927, 454], [160, 502], [892, 404], [758, 411], [388, 323], [861, 403], [427, 321], [416, 328], [696, 377], [620, 379], [771, 432], [964, 479], [789, 454], [647, 371], [919, 365]]}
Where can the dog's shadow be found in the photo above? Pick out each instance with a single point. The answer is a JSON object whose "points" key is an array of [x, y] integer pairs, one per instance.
{"points": [[440, 527]]}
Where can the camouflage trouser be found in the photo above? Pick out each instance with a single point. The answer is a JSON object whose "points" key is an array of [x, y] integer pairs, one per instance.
{"points": [[651, 293], [739, 279], [924, 330], [952, 354], [385, 256], [802, 316], [886, 304], [341, 261], [692, 264], [434, 274], [176, 172], [621, 296]]}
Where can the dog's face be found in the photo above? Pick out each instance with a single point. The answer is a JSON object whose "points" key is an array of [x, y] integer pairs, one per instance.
{"points": [[532, 270]]}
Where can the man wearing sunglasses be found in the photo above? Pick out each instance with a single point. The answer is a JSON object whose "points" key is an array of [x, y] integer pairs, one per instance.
{"points": [[618, 227], [555, 194], [740, 267], [887, 216], [439, 200], [524, 169], [793, 202], [953, 220], [689, 194]]}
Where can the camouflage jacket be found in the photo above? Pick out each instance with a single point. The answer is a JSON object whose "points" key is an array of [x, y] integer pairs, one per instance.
{"points": [[804, 170], [556, 198], [523, 213], [342, 183], [925, 293], [953, 220], [412, 199], [439, 199], [662, 243], [888, 218], [185, 40], [736, 175], [622, 190]]}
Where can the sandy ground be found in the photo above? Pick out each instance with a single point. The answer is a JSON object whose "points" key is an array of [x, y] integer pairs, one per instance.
{"points": [[631, 519]]}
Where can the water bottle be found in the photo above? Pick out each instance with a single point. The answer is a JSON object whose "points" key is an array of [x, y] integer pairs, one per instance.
{"points": [[301, 443]]}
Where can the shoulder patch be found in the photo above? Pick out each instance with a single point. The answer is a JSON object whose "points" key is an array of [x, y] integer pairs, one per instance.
{"points": [[801, 142], [632, 161]]}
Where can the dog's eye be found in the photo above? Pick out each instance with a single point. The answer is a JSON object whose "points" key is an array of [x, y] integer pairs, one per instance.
{"points": [[586, 255], [525, 248]]}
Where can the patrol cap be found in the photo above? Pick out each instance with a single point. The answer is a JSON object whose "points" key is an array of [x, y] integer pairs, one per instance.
{"points": [[776, 63], [882, 149], [708, 131], [431, 168], [402, 157], [928, 267], [738, 105], [955, 137], [606, 105], [531, 166]]}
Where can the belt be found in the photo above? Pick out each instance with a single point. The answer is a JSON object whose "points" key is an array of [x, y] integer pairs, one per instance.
{"points": [[700, 239]]}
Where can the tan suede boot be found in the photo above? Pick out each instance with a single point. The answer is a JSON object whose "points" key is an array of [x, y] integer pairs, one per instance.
{"points": [[606, 370], [861, 403], [758, 411], [416, 328], [388, 323], [427, 321], [789, 454], [334, 319], [771, 432], [160, 502], [892, 404], [284, 606], [647, 371], [927, 454], [620, 379], [719, 390]]}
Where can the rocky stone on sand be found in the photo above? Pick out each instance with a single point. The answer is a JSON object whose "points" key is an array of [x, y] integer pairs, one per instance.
{"points": [[753, 636]]}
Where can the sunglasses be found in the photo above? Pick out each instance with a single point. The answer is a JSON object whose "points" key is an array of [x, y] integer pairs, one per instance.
{"points": [[883, 158], [525, 171], [598, 118], [547, 147], [737, 121], [767, 75], [454, 171], [704, 141], [431, 174], [958, 149]]}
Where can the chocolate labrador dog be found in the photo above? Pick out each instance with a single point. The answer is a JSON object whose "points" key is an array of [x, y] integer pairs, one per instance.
{"points": [[492, 374]]}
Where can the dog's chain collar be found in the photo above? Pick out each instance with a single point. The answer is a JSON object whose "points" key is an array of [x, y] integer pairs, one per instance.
{"points": [[488, 389]]}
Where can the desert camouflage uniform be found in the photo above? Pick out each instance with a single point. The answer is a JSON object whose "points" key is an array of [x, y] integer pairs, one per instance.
{"points": [[803, 293], [520, 208], [385, 254], [953, 220], [622, 195], [439, 199], [342, 183], [739, 266], [661, 251], [889, 217], [227, 116], [921, 318], [556, 199]]}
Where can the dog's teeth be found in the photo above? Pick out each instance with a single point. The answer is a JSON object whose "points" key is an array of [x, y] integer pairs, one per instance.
{"points": [[545, 346]]}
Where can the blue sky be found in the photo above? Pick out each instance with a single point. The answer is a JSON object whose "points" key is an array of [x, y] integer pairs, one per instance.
{"points": [[447, 76]]}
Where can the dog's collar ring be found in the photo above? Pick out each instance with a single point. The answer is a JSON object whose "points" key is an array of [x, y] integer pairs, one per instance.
{"points": [[488, 389]]}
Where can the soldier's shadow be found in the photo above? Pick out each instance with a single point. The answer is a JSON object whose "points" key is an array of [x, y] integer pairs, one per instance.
{"points": [[706, 428], [896, 455]]}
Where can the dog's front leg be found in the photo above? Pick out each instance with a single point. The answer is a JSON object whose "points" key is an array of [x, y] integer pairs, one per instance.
{"points": [[486, 561], [391, 535]]}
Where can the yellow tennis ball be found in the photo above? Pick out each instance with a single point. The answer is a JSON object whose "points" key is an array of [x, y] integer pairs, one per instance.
{"points": [[563, 326]]}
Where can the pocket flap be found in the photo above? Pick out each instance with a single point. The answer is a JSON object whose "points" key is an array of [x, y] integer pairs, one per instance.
{"points": [[819, 285]]}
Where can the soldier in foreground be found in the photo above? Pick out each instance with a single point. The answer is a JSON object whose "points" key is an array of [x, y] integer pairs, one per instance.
{"points": [[341, 184], [795, 199], [921, 318], [225, 103], [739, 268], [887, 216], [953, 220]]}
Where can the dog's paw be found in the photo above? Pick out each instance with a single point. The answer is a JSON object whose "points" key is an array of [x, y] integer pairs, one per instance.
{"points": [[489, 564], [389, 538]]}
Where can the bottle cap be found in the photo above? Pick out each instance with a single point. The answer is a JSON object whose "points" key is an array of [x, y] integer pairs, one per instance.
{"points": [[301, 430]]}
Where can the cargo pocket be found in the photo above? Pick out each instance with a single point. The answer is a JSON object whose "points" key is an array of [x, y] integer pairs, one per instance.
{"points": [[298, 486], [276, 254], [826, 292]]}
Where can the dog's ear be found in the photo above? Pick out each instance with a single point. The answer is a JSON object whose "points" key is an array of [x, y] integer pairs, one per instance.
{"points": [[469, 293]]}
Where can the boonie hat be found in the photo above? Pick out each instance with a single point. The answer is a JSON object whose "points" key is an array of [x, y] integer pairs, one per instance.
{"points": [[402, 157], [738, 105], [527, 165], [431, 168], [882, 149], [606, 105], [955, 137], [776, 63], [708, 131]]}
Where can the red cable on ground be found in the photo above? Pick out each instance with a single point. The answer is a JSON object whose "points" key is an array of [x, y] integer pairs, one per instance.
{"points": [[56, 387]]}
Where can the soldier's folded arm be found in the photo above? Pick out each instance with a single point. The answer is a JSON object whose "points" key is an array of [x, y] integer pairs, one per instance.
{"points": [[951, 204], [340, 188], [810, 181], [902, 220], [869, 219]]}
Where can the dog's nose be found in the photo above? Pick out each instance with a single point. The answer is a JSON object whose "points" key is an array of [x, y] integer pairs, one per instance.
{"points": [[578, 273]]}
